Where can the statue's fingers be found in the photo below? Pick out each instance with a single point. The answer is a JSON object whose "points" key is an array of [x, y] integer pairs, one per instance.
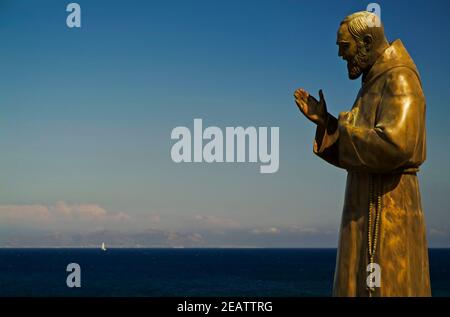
{"points": [[302, 106], [304, 93], [300, 99], [299, 103], [299, 93]]}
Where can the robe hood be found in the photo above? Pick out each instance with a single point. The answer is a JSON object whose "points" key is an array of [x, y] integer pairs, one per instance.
{"points": [[395, 55]]}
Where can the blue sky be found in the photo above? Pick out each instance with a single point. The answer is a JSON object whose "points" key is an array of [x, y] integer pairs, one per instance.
{"points": [[86, 115]]}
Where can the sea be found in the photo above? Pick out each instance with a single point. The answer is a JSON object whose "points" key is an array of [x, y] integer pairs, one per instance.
{"points": [[183, 272]]}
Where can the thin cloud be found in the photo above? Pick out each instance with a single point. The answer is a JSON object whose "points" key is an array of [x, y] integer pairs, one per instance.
{"points": [[438, 232], [271, 230], [216, 222], [60, 215], [17, 213]]}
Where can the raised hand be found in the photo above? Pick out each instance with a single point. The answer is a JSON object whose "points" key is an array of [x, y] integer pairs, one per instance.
{"points": [[315, 110]]}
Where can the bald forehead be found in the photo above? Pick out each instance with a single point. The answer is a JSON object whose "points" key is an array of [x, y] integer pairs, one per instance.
{"points": [[343, 35]]}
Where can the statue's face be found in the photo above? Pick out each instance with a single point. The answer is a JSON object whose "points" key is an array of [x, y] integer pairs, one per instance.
{"points": [[351, 51]]}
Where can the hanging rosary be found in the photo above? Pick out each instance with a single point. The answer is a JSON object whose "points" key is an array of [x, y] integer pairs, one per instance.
{"points": [[373, 229]]}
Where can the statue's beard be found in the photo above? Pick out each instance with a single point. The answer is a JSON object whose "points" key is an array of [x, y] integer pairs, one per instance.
{"points": [[358, 64]]}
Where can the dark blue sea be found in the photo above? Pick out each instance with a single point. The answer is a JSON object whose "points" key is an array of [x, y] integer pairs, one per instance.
{"points": [[183, 272]]}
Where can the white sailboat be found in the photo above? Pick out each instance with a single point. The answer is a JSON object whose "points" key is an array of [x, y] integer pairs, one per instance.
{"points": [[103, 246]]}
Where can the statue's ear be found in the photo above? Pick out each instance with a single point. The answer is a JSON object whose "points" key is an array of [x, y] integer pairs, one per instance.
{"points": [[368, 41]]}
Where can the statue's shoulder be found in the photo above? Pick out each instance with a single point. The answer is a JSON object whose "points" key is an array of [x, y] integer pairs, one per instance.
{"points": [[402, 79]]}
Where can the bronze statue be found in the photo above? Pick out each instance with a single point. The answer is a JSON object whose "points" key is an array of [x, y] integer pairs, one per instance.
{"points": [[381, 144]]}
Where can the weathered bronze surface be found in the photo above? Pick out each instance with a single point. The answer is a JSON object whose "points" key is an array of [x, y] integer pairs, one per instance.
{"points": [[381, 143]]}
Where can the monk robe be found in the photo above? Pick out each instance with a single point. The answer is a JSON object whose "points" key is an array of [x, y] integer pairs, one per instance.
{"points": [[381, 144]]}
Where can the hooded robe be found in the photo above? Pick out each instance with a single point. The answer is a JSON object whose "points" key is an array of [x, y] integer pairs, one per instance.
{"points": [[381, 144]]}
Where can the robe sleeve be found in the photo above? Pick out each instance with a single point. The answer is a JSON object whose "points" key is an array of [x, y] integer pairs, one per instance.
{"points": [[325, 142], [392, 142]]}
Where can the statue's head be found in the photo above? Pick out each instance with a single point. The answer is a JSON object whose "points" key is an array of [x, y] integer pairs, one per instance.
{"points": [[360, 39]]}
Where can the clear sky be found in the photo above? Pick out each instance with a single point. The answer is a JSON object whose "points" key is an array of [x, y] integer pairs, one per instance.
{"points": [[86, 116]]}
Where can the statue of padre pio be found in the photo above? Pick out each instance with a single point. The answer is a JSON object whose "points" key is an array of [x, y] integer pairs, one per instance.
{"points": [[381, 144]]}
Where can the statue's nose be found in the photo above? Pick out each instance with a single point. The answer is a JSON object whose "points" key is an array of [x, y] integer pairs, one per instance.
{"points": [[341, 54]]}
